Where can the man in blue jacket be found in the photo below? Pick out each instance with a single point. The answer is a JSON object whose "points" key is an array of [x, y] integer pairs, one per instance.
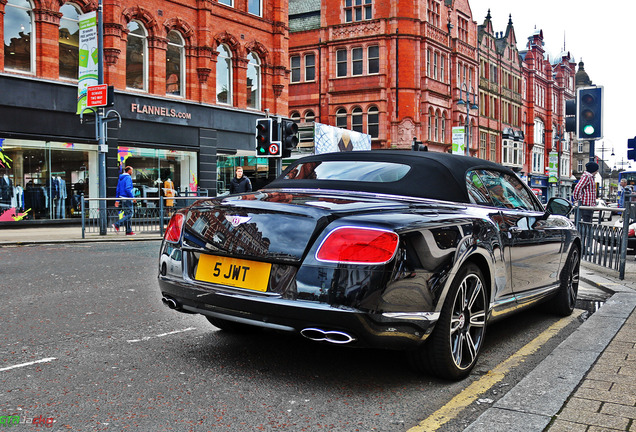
{"points": [[125, 190]]}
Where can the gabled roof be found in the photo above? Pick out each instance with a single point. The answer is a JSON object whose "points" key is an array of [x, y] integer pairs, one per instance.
{"points": [[304, 15]]}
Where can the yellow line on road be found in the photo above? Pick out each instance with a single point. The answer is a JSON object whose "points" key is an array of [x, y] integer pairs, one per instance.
{"points": [[486, 382]]}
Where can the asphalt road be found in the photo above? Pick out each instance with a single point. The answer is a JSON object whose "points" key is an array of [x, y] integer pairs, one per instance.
{"points": [[87, 342]]}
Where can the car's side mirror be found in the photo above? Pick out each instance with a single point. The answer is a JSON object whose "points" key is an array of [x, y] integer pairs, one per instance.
{"points": [[558, 206]]}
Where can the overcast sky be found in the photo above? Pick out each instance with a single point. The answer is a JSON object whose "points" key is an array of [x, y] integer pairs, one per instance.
{"points": [[600, 34]]}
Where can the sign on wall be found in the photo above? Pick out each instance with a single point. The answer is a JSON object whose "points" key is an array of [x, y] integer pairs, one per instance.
{"points": [[88, 57]]}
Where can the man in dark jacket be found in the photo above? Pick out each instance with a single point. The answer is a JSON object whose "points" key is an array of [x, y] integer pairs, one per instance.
{"points": [[125, 190], [240, 183]]}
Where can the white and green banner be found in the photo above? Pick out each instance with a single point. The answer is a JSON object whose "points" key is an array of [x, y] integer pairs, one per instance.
{"points": [[553, 167], [88, 57], [459, 147]]}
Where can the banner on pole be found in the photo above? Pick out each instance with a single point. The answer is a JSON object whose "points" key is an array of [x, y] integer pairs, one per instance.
{"points": [[459, 133], [553, 167], [88, 57]]}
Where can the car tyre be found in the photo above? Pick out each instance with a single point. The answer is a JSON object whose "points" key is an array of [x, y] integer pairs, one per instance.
{"points": [[454, 346], [565, 299], [231, 326]]}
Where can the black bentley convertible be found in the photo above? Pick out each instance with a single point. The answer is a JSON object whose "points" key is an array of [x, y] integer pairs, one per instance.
{"points": [[413, 251]]}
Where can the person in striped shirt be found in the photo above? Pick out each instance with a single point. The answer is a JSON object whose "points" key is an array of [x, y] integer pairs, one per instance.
{"points": [[584, 191]]}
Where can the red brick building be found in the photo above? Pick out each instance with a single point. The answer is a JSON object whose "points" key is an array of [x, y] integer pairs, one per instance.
{"points": [[501, 131], [190, 80], [390, 69], [548, 84], [398, 70]]}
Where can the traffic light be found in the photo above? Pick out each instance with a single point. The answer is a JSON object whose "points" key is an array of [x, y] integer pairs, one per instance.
{"points": [[264, 137], [589, 117], [631, 149], [570, 115], [289, 136]]}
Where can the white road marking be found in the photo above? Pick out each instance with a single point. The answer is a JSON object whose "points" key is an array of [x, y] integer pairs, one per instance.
{"points": [[145, 338], [44, 360]]}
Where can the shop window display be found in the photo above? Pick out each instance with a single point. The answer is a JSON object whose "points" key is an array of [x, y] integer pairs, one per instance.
{"points": [[254, 168], [159, 172], [45, 180]]}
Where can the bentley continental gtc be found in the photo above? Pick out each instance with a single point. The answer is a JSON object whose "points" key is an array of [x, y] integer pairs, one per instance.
{"points": [[411, 251]]}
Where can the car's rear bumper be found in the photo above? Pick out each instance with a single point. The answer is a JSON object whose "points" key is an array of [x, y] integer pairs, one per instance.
{"points": [[394, 330]]}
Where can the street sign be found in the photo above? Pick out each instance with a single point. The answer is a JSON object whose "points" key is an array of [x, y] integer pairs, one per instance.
{"points": [[97, 96], [274, 149]]}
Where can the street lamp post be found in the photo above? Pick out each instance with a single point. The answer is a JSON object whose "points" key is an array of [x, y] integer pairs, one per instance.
{"points": [[602, 149], [462, 101], [622, 164], [559, 137]]}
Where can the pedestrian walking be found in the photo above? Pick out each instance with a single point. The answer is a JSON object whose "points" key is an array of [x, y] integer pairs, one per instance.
{"points": [[240, 183], [584, 191], [125, 190]]}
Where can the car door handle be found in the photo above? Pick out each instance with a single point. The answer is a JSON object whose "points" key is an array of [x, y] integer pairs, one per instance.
{"points": [[515, 230]]}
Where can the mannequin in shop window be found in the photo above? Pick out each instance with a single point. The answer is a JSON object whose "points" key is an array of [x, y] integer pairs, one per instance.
{"points": [[54, 190], [6, 191], [61, 209], [168, 191], [19, 196]]}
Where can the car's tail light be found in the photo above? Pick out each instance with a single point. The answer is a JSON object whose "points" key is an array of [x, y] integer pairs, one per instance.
{"points": [[631, 233], [358, 246], [173, 232]]}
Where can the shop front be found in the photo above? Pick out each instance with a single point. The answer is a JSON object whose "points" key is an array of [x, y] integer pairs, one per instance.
{"points": [[539, 185], [48, 159]]}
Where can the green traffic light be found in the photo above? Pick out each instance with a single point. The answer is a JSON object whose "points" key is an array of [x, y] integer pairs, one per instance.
{"points": [[588, 129]]}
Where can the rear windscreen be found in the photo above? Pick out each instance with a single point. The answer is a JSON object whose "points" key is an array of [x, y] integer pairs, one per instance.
{"points": [[362, 171]]}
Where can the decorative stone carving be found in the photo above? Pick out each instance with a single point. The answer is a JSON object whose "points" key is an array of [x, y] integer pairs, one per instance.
{"points": [[111, 55], [45, 15], [203, 73], [278, 90], [367, 28], [405, 133]]}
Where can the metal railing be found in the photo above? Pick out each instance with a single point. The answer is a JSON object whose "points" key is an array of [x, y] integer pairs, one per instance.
{"points": [[606, 245], [150, 215]]}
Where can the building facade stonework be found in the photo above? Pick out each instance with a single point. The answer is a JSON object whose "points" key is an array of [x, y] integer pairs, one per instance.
{"points": [[190, 79]]}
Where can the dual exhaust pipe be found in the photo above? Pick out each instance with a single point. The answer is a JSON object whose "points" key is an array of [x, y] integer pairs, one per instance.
{"points": [[169, 302], [314, 334], [331, 336]]}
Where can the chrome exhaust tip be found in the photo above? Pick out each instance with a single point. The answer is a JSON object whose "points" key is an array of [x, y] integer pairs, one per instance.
{"points": [[169, 302], [331, 336]]}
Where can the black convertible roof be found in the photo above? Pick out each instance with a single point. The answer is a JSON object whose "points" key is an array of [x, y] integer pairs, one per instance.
{"points": [[433, 175]]}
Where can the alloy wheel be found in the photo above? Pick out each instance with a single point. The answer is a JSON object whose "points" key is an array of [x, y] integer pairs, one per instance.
{"points": [[468, 321]]}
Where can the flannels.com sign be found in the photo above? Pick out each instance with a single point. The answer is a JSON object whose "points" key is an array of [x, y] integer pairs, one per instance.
{"points": [[159, 111]]}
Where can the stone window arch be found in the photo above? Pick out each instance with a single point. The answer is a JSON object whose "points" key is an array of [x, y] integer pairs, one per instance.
{"points": [[175, 65], [137, 56], [254, 81], [19, 32], [224, 72], [68, 41]]}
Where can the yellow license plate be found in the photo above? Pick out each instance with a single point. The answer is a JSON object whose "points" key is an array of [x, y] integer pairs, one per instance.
{"points": [[234, 272]]}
